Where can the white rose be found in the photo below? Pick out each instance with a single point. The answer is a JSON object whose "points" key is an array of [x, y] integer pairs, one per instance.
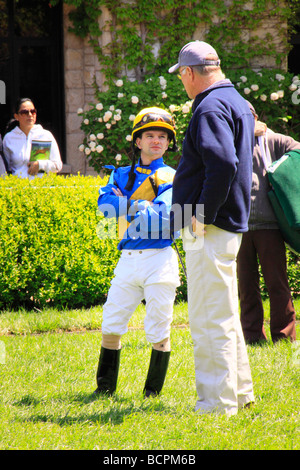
{"points": [[162, 82], [118, 157], [99, 106], [131, 117], [119, 83], [247, 91], [87, 151], [263, 97], [112, 108], [128, 138], [99, 148], [243, 78], [279, 77], [172, 108], [81, 148], [120, 95], [293, 87], [92, 137], [79, 111], [274, 96], [92, 145], [108, 126], [254, 87], [100, 136], [117, 117], [164, 95], [185, 109], [134, 99], [280, 93], [107, 116], [86, 121]]}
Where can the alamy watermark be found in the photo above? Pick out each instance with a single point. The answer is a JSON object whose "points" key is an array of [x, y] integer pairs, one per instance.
{"points": [[2, 352], [296, 353], [155, 223], [296, 94]]}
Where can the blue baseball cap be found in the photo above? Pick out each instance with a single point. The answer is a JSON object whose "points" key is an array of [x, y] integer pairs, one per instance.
{"points": [[195, 53]]}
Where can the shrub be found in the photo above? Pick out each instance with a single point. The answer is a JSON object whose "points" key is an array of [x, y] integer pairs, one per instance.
{"points": [[275, 96], [107, 123], [50, 253]]}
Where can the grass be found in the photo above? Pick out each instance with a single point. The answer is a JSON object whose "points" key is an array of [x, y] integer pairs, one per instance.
{"points": [[48, 376]]}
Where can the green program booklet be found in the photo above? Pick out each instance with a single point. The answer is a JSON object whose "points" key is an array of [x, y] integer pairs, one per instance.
{"points": [[40, 150]]}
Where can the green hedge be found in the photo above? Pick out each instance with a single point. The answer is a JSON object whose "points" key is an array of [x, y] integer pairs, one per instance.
{"points": [[50, 254], [49, 250]]}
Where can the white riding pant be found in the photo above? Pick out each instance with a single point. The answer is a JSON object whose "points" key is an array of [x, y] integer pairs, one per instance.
{"points": [[222, 371], [152, 275]]}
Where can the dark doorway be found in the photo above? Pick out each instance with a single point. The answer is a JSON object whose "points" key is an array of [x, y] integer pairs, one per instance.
{"points": [[31, 62], [294, 55]]}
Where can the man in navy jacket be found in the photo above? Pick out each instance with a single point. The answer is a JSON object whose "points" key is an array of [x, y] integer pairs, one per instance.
{"points": [[211, 193]]}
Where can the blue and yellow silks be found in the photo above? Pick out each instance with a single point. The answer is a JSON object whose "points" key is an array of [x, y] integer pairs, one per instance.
{"points": [[141, 226]]}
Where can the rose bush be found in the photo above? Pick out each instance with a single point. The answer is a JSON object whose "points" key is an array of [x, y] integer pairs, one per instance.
{"points": [[275, 96], [107, 123]]}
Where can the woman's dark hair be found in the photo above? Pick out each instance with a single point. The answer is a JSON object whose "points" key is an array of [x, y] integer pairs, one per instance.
{"points": [[13, 122], [20, 102]]}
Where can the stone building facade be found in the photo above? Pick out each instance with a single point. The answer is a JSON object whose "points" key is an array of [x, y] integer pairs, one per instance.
{"points": [[81, 68]]}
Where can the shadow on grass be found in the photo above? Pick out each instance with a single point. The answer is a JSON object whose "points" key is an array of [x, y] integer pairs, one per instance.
{"points": [[114, 410]]}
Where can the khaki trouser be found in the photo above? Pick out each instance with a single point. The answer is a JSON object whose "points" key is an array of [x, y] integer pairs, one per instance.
{"points": [[222, 371]]}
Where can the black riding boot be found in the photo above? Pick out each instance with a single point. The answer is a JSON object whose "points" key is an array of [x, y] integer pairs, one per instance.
{"points": [[108, 369], [157, 372]]}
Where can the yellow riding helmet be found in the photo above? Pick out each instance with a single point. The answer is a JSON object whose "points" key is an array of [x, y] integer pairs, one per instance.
{"points": [[150, 118], [153, 118]]}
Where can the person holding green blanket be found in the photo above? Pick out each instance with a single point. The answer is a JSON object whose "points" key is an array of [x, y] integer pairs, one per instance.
{"points": [[264, 244]]}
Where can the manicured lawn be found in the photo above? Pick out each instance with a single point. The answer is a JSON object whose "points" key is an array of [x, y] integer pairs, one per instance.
{"points": [[47, 377]]}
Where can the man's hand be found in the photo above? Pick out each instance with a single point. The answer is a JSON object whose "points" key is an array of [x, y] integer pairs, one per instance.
{"points": [[198, 227], [117, 192]]}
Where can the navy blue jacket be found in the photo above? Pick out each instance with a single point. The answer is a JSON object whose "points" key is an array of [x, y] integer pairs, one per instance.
{"points": [[215, 169]]}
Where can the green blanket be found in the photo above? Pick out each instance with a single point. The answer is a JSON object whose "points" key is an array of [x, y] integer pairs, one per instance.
{"points": [[284, 176]]}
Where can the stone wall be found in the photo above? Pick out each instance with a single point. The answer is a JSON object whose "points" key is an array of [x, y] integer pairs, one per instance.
{"points": [[82, 68], [80, 65]]}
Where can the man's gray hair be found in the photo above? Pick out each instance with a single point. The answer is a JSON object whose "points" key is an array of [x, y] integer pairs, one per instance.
{"points": [[206, 69]]}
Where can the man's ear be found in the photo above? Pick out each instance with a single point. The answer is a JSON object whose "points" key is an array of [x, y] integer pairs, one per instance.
{"points": [[138, 142], [190, 71]]}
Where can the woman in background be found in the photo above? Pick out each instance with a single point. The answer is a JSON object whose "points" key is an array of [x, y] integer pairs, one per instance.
{"points": [[3, 169], [29, 149]]}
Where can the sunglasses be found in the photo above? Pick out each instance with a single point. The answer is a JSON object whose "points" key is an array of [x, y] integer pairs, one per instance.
{"points": [[26, 112]]}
